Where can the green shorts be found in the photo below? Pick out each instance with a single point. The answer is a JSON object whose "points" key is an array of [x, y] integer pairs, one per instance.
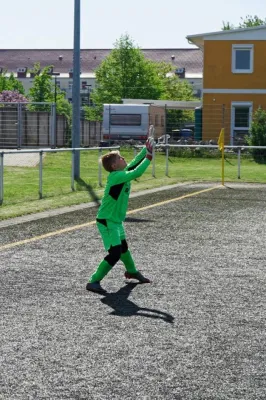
{"points": [[112, 233]]}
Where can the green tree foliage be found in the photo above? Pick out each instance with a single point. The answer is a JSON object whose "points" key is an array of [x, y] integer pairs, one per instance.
{"points": [[258, 135], [125, 73], [247, 22], [63, 107], [10, 83], [43, 90], [250, 21], [227, 26], [94, 113], [175, 89]]}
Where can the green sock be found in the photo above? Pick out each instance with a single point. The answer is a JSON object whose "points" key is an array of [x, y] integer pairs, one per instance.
{"points": [[102, 270], [127, 259]]}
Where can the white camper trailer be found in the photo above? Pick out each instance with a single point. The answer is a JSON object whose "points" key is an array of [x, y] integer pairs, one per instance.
{"points": [[132, 121]]}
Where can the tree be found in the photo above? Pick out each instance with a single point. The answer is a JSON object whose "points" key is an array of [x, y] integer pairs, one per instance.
{"points": [[246, 22], [250, 21], [227, 26], [172, 87], [125, 73], [175, 89], [63, 107], [43, 91], [10, 83], [258, 135]]}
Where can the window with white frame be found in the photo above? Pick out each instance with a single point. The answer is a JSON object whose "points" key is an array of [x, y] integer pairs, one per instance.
{"points": [[242, 58], [241, 120], [125, 119]]}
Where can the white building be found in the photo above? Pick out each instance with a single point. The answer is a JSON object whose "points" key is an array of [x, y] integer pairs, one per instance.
{"points": [[187, 64]]}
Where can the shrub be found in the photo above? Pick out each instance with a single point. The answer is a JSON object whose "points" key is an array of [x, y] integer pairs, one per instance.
{"points": [[10, 96], [258, 135]]}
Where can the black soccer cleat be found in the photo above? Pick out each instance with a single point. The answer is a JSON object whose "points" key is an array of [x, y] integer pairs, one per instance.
{"points": [[137, 276], [95, 287]]}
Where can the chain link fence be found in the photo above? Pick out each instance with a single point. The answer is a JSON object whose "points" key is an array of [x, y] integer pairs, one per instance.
{"points": [[22, 126], [187, 125], [203, 125], [52, 174]]}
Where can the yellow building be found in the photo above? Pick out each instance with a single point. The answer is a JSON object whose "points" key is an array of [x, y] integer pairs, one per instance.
{"points": [[234, 80]]}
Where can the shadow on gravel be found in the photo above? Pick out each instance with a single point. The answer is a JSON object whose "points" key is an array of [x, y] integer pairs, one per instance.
{"points": [[123, 307]]}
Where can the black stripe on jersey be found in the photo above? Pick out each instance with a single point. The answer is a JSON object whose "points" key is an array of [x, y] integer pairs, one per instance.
{"points": [[102, 221], [135, 166], [115, 190]]}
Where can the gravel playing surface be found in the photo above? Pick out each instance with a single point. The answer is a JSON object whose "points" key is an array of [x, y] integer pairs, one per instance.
{"points": [[197, 332]]}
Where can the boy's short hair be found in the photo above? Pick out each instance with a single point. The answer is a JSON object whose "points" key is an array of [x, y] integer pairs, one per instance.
{"points": [[108, 159]]}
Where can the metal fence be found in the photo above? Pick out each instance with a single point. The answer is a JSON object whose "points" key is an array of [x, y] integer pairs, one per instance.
{"points": [[90, 133], [41, 153], [203, 125], [22, 126], [238, 151], [31, 125]]}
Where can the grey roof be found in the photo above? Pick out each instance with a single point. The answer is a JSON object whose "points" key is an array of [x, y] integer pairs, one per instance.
{"points": [[191, 59]]}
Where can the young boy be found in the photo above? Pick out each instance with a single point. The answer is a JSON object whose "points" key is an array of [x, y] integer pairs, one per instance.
{"points": [[112, 213]]}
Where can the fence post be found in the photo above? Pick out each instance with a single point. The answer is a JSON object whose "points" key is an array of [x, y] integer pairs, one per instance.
{"points": [[238, 161], [166, 160], [73, 171], [100, 169], [223, 117], [40, 175], [109, 125], [165, 117], [1, 178], [19, 105], [53, 126], [153, 161]]}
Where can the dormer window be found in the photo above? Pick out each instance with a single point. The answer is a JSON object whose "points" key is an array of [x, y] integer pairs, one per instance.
{"points": [[242, 58]]}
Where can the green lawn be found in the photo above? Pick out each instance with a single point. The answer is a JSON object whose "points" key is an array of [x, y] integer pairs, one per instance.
{"points": [[21, 184]]}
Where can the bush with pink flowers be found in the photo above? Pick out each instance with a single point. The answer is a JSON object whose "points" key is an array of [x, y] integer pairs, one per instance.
{"points": [[10, 96]]}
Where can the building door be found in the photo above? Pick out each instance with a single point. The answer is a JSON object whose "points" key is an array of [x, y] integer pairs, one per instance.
{"points": [[241, 117]]}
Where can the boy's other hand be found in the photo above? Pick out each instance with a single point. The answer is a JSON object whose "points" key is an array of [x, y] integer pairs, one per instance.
{"points": [[149, 147], [151, 131]]}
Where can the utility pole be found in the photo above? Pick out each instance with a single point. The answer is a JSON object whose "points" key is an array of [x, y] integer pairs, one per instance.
{"points": [[76, 90]]}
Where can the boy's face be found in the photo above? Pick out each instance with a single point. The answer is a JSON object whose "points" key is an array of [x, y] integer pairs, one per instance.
{"points": [[119, 163]]}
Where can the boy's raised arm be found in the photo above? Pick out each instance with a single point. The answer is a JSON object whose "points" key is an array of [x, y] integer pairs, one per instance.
{"points": [[136, 171]]}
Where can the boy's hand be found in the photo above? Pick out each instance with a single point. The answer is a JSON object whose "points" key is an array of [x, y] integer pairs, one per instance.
{"points": [[151, 131], [149, 147]]}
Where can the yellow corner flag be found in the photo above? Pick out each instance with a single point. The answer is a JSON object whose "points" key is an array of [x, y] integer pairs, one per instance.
{"points": [[221, 140]]}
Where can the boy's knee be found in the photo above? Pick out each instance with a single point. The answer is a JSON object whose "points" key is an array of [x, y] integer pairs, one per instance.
{"points": [[124, 246], [114, 255]]}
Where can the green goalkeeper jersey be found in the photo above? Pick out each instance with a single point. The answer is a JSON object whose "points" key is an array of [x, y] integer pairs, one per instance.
{"points": [[116, 194]]}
